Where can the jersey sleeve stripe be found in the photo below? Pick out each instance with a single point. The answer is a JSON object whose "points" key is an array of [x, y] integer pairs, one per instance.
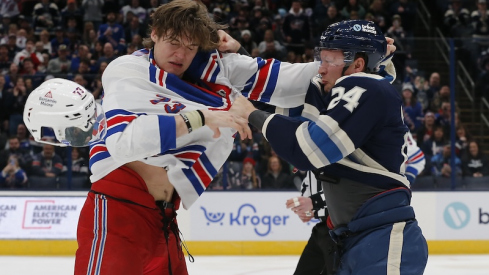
{"points": [[264, 66], [249, 85], [191, 176], [311, 151], [98, 157], [202, 173], [325, 143], [196, 148], [168, 132], [340, 137], [271, 81], [208, 166], [310, 112]]}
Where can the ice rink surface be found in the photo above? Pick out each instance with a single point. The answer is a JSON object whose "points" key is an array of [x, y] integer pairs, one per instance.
{"points": [[241, 265]]}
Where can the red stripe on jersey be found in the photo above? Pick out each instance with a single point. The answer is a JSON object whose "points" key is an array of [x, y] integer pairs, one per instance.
{"points": [[416, 157], [119, 119], [202, 173], [97, 149], [260, 82], [58, 165], [188, 155], [160, 78]]}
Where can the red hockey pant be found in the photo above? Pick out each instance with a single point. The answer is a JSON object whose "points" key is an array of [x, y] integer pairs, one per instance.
{"points": [[120, 231]]}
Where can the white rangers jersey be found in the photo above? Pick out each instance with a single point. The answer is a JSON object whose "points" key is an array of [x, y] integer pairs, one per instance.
{"points": [[140, 100]]}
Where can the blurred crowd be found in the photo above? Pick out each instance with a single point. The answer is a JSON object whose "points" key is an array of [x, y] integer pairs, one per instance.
{"points": [[77, 39]]}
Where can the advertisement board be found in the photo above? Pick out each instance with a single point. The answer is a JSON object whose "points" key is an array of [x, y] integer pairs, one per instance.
{"points": [[246, 216], [462, 216], [39, 217]]}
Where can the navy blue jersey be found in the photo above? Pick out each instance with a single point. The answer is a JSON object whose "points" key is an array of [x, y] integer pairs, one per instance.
{"points": [[357, 132]]}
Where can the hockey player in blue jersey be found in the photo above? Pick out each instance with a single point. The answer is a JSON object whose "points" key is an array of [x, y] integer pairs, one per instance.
{"points": [[357, 148]]}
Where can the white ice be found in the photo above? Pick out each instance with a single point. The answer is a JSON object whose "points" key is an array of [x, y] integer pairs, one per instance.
{"points": [[240, 265]]}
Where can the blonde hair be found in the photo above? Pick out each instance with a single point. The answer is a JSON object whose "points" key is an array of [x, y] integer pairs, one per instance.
{"points": [[184, 18]]}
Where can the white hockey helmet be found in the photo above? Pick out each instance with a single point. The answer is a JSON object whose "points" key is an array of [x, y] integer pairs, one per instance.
{"points": [[66, 108]]}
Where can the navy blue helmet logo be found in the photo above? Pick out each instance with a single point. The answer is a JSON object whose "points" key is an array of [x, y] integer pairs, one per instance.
{"points": [[357, 28]]}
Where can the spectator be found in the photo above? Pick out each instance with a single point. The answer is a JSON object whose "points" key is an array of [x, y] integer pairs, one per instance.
{"points": [[4, 60], [93, 12], [407, 10], [332, 16], [247, 179], [23, 156], [441, 163], [475, 163], [353, 5], [296, 28], [73, 12], [275, 178], [435, 144], [46, 43], [319, 14], [73, 35], [433, 87], [396, 32], [278, 31], [60, 64], [134, 28], [136, 9], [461, 140], [12, 47], [457, 18], [13, 176], [379, 15], [426, 130], [21, 38], [111, 32], [480, 23], [443, 95], [79, 167], [29, 52], [47, 164], [58, 40], [29, 72], [218, 15], [108, 55], [82, 53], [9, 9], [482, 82], [86, 32], [14, 101], [413, 112], [46, 16], [246, 41], [271, 48]]}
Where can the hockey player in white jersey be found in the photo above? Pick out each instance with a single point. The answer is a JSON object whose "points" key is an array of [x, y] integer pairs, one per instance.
{"points": [[168, 133]]}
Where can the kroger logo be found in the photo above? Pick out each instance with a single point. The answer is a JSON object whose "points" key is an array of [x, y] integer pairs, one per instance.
{"points": [[456, 215], [246, 215]]}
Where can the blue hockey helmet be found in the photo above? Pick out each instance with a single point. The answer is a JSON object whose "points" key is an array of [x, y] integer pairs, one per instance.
{"points": [[352, 37]]}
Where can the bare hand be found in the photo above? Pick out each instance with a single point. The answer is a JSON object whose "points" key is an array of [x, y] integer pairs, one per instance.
{"points": [[242, 107], [227, 44], [390, 46], [303, 207], [216, 119]]}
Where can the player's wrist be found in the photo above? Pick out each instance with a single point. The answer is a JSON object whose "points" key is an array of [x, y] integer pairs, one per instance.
{"points": [[194, 120]]}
